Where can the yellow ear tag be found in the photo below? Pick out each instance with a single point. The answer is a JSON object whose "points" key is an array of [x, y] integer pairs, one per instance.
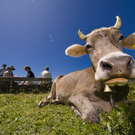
{"points": [[133, 46]]}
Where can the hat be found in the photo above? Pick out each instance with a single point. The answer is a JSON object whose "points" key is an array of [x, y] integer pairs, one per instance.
{"points": [[11, 67]]}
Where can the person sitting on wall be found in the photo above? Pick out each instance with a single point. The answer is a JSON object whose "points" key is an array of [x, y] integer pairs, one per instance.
{"points": [[3, 69], [9, 72], [45, 74], [29, 74]]}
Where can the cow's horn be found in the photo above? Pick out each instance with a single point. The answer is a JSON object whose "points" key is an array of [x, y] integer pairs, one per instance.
{"points": [[81, 35], [118, 23]]}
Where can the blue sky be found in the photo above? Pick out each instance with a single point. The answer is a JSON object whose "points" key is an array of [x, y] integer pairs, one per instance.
{"points": [[37, 32]]}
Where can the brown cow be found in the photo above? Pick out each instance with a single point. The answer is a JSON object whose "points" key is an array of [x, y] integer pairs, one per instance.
{"points": [[104, 84]]}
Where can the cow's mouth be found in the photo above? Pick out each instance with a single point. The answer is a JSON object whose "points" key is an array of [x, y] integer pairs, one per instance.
{"points": [[116, 81]]}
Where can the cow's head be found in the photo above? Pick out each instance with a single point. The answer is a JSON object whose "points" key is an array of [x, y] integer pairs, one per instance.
{"points": [[104, 46]]}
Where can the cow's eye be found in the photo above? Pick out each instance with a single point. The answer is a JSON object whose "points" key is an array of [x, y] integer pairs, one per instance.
{"points": [[121, 37], [88, 46]]}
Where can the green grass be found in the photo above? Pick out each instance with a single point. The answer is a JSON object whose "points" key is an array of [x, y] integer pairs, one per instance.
{"points": [[19, 114]]}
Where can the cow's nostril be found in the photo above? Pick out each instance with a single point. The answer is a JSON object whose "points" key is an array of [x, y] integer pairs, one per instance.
{"points": [[130, 64], [106, 65]]}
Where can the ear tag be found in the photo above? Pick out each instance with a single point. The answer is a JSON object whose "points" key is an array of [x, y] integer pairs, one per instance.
{"points": [[133, 46]]}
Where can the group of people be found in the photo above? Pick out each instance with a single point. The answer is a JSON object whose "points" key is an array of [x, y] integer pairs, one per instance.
{"points": [[8, 72]]}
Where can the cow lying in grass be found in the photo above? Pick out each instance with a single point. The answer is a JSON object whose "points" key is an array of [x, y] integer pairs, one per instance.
{"points": [[105, 83]]}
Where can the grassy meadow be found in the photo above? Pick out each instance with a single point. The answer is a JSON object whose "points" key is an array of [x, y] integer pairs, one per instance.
{"points": [[19, 114]]}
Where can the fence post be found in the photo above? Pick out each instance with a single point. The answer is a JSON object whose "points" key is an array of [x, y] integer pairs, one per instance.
{"points": [[10, 84]]}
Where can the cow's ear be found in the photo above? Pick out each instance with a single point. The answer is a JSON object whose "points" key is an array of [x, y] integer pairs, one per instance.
{"points": [[76, 50], [129, 42]]}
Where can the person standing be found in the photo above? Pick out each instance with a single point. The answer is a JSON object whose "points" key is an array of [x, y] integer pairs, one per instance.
{"points": [[46, 74]]}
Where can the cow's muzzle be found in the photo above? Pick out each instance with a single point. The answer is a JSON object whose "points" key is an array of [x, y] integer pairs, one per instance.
{"points": [[115, 70], [117, 65]]}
